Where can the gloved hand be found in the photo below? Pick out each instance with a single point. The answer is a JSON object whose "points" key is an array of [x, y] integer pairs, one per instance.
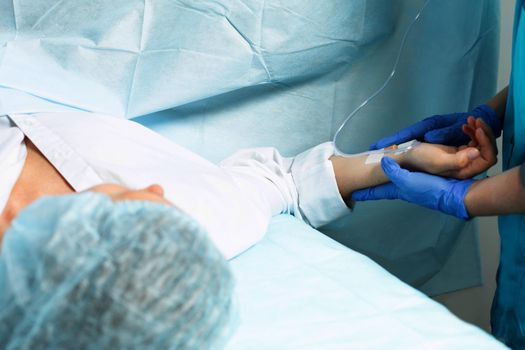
{"points": [[443, 129], [430, 191]]}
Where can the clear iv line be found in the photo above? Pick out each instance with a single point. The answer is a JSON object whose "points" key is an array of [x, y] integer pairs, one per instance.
{"points": [[387, 81]]}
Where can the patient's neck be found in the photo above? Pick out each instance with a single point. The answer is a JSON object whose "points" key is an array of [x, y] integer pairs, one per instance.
{"points": [[38, 178]]}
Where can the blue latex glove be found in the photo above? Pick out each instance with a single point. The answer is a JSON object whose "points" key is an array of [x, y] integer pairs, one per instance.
{"points": [[442, 129], [430, 191]]}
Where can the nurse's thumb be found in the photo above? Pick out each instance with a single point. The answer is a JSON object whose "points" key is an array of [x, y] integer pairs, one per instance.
{"points": [[394, 172], [386, 191]]}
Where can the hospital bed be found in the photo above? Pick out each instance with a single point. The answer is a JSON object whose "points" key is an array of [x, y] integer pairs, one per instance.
{"points": [[298, 289]]}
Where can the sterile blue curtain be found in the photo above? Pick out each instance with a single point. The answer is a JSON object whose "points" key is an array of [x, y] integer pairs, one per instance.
{"points": [[220, 75]]}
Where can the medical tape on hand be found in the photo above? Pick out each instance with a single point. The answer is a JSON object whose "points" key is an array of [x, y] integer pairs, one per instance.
{"points": [[376, 156]]}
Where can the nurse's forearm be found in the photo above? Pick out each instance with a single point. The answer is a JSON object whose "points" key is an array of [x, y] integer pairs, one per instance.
{"points": [[499, 103], [497, 195]]}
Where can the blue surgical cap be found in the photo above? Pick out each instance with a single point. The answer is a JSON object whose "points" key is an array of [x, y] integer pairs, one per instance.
{"points": [[84, 272]]}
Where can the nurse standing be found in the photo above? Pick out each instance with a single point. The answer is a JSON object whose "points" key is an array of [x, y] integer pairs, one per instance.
{"points": [[502, 195]]}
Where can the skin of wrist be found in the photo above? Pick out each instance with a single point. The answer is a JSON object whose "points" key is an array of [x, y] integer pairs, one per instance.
{"points": [[404, 159]]}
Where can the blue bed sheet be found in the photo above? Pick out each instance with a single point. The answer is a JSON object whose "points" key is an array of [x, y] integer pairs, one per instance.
{"points": [[299, 289]]}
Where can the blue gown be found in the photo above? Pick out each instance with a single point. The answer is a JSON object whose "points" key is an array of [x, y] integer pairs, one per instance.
{"points": [[508, 308]]}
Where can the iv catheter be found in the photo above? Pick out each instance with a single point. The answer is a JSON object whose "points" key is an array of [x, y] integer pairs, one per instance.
{"points": [[376, 155], [399, 148]]}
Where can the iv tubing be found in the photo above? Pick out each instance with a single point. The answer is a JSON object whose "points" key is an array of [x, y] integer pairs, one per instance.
{"points": [[387, 81]]}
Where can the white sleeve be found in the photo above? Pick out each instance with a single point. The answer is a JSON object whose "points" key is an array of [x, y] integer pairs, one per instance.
{"points": [[304, 185]]}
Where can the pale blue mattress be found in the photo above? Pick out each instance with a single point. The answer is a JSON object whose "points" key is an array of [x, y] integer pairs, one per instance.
{"points": [[299, 289]]}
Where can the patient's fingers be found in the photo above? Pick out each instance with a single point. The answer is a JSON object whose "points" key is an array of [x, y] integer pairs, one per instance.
{"points": [[463, 163], [471, 161], [470, 130], [452, 162], [465, 156], [486, 147], [471, 121], [480, 123]]}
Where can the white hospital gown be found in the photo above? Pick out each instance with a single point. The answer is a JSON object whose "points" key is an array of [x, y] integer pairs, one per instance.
{"points": [[234, 201]]}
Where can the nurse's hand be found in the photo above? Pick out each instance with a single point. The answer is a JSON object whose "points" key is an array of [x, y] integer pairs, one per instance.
{"points": [[443, 129], [430, 191]]}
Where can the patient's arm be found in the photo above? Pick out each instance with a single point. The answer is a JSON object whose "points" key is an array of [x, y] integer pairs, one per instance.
{"points": [[305, 186], [352, 173]]}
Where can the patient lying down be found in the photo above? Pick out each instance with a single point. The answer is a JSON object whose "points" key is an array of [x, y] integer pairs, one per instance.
{"points": [[121, 242]]}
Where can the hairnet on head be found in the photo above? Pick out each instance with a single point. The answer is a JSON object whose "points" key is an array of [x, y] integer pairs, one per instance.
{"points": [[84, 272]]}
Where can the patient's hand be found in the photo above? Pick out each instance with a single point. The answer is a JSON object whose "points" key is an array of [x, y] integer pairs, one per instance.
{"points": [[440, 160], [457, 162], [482, 137]]}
